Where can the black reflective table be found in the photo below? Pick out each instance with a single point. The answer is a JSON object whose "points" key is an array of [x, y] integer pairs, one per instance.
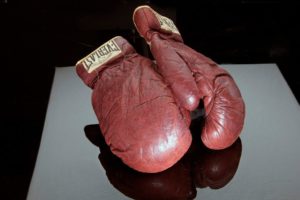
{"points": [[74, 162]]}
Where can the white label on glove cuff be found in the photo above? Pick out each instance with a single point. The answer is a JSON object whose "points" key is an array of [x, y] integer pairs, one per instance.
{"points": [[100, 56], [166, 23]]}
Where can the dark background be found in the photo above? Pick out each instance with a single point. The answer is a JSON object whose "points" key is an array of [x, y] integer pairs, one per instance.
{"points": [[37, 36]]}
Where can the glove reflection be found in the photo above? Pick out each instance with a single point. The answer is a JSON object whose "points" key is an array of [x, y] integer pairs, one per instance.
{"points": [[212, 168], [200, 167]]}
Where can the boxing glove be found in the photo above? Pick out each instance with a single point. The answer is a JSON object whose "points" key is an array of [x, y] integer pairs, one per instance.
{"points": [[173, 183], [137, 113], [194, 77]]}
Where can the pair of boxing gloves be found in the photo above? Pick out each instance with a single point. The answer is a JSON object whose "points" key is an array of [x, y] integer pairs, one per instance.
{"points": [[198, 168], [143, 108]]}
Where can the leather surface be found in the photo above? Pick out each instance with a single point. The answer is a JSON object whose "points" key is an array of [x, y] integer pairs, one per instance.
{"points": [[194, 77], [138, 115]]}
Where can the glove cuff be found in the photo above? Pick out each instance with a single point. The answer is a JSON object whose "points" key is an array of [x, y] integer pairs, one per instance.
{"points": [[147, 21], [90, 67]]}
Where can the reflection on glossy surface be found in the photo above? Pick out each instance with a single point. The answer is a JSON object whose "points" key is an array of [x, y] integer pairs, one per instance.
{"points": [[174, 183], [212, 168], [200, 167]]}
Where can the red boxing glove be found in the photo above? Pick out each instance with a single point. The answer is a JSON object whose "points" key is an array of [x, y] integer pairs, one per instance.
{"points": [[192, 77], [137, 113]]}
